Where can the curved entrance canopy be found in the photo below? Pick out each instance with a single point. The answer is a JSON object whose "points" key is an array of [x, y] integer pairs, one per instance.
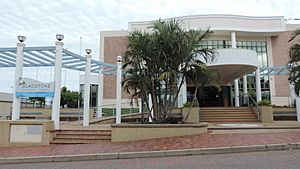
{"points": [[44, 56], [234, 63]]}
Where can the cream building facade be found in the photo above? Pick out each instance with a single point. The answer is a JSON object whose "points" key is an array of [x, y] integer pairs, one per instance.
{"points": [[247, 47]]}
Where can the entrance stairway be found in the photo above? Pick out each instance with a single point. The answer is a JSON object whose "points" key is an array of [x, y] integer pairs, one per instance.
{"points": [[227, 114], [81, 136]]}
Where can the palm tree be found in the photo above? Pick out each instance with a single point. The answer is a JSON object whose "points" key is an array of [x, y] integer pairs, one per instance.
{"points": [[294, 54], [201, 77], [156, 63]]}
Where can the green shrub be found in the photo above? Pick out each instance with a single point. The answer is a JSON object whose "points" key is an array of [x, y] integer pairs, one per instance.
{"points": [[264, 103], [191, 104]]}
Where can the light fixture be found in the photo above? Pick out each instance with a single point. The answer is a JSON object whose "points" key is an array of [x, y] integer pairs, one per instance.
{"points": [[88, 51], [119, 58], [21, 38], [59, 37]]}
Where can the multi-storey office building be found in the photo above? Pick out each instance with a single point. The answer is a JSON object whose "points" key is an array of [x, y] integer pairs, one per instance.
{"points": [[252, 55]]}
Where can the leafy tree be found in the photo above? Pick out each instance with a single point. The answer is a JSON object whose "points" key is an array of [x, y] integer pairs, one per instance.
{"points": [[156, 63], [294, 54], [40, 100], [201, 77], [69, 98]]}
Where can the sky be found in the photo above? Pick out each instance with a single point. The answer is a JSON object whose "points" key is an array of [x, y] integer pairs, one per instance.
{"points": [[41, 20]]}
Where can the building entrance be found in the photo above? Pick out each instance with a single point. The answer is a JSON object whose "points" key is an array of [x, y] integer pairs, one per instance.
{"points": [[211, 96]]}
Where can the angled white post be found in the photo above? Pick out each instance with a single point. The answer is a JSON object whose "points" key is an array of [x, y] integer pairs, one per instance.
{"points": [[118, 90], [100, 94], [258, 87], [57, 81], [18, 74], [184, 92], [150, 106], [87, 84]]}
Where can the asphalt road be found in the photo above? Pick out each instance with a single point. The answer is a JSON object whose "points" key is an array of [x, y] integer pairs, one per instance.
{"points": [[254, 160]]}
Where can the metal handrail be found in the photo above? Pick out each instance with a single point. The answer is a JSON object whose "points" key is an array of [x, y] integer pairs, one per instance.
{"points": [[128, 110], [258, 112]]}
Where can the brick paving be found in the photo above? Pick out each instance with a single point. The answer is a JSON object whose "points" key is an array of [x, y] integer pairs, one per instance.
{"points": [[253, 160], [173, 143]]}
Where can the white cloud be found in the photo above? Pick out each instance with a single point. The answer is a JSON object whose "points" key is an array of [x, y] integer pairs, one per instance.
{"points": [[40, 20]]}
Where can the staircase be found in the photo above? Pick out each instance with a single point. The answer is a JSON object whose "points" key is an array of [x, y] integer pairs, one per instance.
{"points": [[227, 114], [81, 136]]}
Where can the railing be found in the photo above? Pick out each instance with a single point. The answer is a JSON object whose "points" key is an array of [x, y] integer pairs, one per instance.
{"points": [[246, 98], [110, 109]]}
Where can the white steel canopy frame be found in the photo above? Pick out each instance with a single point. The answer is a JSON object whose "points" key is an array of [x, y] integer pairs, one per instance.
{"points": [[44, 56]]}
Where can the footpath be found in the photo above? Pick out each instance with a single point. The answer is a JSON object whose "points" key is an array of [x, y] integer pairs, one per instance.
{"points": [[209, 143]]}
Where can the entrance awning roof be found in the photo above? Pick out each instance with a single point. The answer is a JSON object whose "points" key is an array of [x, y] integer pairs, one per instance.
{"points": [[44, 56], [269, 71]]}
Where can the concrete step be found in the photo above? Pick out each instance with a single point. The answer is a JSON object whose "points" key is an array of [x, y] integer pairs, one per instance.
{"points": [[221, 111], [225, 113], [224, 108], [83, 131], [228, 120], [78, 141], [225, 117], [80, 135], [82, 138], [228, 115]]}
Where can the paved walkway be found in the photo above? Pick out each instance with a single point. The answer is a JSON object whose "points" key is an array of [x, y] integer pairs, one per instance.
{"points": [[253, 160], [187, 142]]}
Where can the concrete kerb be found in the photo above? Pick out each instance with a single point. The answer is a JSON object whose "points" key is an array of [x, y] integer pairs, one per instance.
{"points": [[150, 154]]}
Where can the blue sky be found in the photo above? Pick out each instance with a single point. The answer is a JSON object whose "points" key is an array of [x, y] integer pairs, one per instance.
{"points": [[41, 20]]}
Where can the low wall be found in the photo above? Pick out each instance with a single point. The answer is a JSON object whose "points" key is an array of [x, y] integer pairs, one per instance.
{"points": [[25, 132], [193, 116], [130, 132], [45, 113]]}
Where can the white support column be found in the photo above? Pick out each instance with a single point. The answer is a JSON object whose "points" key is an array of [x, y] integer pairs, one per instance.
{"points": [[18, 75], [100, 94], [118, 90], [150, 106], [182, 96], [233, 40], [87, 85], [140, 105], [184, 92], [245, 90], [236, 81], [258, 87], [236, 93], [298, 108], [57, 87]]}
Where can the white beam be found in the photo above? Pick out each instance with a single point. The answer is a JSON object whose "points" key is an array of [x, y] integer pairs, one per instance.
{"points": [[245, 90], [236, 93], [258, 87], [18, 75], [57, 87], [118, 90], [100, 94], [87, 85], [298, 108]]}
